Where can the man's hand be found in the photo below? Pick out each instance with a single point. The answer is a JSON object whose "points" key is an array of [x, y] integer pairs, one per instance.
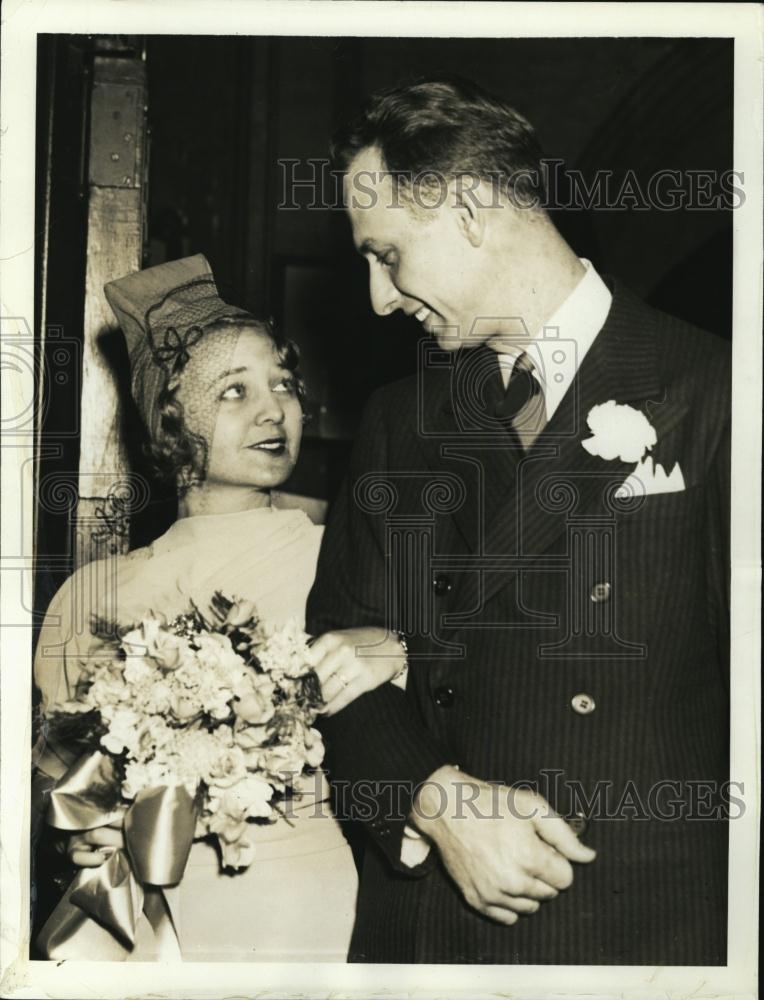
{"points": [[506, 848], [349, 662]]}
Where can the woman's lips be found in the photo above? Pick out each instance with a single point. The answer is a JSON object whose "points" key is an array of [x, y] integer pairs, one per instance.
{"points": [[271, 446]]}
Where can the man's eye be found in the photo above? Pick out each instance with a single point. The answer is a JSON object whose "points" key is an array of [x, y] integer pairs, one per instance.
{"points": [[235, 391], [387, 259]]}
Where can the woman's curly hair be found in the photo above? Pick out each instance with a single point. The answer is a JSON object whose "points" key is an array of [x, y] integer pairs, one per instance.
{"points": [[177, 455]]}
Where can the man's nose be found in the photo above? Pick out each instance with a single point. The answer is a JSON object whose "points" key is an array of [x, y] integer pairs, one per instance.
{"points": [[385, 297]]}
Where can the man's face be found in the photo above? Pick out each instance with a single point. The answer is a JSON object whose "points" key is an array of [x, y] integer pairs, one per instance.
{"points": [[420, 259]]}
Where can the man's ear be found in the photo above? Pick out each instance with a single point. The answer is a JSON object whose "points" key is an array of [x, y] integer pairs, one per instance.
{"points": [[467, 197]]}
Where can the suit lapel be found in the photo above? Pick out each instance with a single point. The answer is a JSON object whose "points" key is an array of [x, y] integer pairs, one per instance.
{"points": [[557, 478], [460, 436], [520, 503]]}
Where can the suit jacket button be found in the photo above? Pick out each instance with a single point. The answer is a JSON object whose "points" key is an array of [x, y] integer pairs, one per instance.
{"points": [[600, 592], [443, 697], [441, 584], [582, 703]]}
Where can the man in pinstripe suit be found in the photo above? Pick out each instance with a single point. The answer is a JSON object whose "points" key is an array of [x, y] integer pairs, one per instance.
{"points": [[543, 514]]}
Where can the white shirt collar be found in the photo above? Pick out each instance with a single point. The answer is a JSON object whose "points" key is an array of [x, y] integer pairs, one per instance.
{"points": [[559, 347]]}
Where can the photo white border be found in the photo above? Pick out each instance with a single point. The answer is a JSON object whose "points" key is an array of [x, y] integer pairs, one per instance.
{"points": [[22, 21]]}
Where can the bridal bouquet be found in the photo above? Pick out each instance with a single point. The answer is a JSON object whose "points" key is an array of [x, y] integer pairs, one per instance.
{"points": [[217, 708]]}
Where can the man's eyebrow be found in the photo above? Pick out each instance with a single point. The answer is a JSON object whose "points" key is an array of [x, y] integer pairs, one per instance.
{"points": [[368, 246]]}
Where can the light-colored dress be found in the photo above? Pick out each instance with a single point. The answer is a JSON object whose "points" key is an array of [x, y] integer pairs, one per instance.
{"points": [[296, 902]]}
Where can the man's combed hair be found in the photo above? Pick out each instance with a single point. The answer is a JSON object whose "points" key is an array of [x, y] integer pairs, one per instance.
{"points": [[444, 128]]}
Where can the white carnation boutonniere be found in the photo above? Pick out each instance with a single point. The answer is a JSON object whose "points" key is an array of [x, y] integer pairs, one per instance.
{"points": [[622, 432]]}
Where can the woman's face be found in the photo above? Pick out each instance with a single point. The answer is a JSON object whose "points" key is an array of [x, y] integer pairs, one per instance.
{"points": [[258, 422]]}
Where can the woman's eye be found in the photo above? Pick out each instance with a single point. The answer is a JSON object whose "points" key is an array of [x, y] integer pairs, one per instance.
{"points": [[235, 391], [388, 259], [286, 384]]}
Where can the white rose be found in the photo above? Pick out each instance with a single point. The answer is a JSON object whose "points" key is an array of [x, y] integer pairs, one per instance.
{"points": [[619, 432], [228, 767]]}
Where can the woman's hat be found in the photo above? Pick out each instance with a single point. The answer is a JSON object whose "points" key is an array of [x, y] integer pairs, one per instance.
{"points": [[163, 312]]}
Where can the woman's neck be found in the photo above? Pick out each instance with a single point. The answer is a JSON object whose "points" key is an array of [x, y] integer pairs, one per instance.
{"points": [[221, 498]]}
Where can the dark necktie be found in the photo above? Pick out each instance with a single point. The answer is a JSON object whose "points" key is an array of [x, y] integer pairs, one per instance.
{"points": [[523, 406]]}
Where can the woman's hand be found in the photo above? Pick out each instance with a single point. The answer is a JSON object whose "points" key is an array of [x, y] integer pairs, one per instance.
{"points": [[90, 848], [352, 661]]}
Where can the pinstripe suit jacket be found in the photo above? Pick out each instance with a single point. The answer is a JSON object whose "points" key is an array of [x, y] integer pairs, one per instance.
{"points": [[522, 583]]}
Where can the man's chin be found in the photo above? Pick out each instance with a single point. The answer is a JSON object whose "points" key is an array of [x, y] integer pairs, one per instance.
{"points": [[449, 340]]}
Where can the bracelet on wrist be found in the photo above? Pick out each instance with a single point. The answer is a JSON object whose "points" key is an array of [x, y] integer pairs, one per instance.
{"points": [[404, 646]]}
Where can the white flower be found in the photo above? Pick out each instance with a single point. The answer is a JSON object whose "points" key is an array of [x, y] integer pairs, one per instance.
{"points": [[196, 751], [143, 775], [619, 431], [286, 760], [314, 747], [284, 651], [239, 854], [108, 687], [216, 652], [123, 731], [229, 767], [138, 671], [249, 797], [158, 698], [155, 735], [184, 706], [153, 639], [254, 697], [241, 612]]}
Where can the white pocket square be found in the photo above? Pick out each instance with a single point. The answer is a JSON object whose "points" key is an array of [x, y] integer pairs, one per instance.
{"points": [[648, 478]]}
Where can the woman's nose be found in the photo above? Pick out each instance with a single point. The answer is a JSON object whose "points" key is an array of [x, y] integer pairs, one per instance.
{"points": [[269, 409], [385, 297]]}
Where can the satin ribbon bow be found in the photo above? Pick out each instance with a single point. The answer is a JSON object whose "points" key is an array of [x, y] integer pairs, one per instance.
{"points": [[98, 916]]}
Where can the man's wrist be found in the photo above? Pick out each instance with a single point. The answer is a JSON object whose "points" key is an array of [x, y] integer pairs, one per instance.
{"points": [[431, 802]]}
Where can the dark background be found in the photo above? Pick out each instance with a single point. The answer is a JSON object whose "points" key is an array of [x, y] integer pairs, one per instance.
{"points": [[222, 112]]}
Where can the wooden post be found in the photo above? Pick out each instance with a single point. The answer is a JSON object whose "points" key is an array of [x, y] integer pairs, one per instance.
{"points": [[115, 224]]}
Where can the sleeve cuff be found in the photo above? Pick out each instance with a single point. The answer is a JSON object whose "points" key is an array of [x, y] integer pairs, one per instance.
{"points": [[414, 847]]}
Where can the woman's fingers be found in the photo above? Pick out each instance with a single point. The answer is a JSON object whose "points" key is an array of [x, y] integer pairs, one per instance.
{"points": [[86, 855], [331, 662], [104, 836], [336, 670], [346, 693], [319, 648]]}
